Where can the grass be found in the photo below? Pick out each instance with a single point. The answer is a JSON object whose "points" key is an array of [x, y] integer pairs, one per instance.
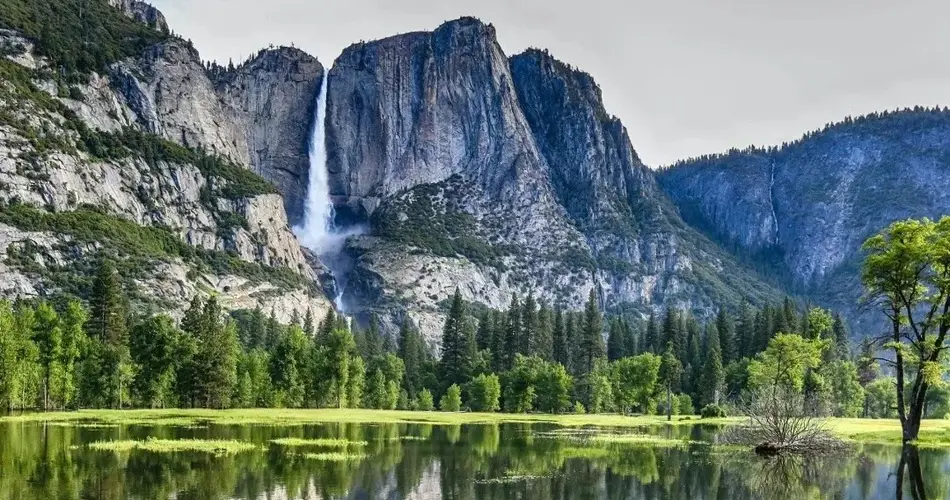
{"points": [[335, 456], [323, 443], [933, 433], [638, 439], [299, 417], [215, 447]]}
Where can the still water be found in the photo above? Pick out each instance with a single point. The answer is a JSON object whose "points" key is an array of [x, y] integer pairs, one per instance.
{"points": [[421, 461]]}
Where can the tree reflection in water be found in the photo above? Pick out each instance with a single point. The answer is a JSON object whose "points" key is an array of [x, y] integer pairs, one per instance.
{"points": [[450, 462]]}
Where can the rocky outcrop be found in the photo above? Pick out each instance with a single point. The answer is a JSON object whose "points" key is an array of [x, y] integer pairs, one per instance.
{"points": [[143, 13], [273, 96], [171, 95], [247, 253], [502, 177], [806, 208]]}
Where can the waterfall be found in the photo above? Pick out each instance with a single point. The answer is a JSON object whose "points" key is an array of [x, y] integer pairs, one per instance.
{"points": [[318, 210], [318, 232]]}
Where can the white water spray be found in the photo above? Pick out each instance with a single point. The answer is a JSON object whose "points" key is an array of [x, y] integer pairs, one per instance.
{"points": [[318, 210], [318, 231]]}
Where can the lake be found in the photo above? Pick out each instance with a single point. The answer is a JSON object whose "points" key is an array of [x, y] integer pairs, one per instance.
{"points": [[423, 461]]}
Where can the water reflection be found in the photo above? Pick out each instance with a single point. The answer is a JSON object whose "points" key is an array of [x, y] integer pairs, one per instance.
{"points": [[418, 461]]}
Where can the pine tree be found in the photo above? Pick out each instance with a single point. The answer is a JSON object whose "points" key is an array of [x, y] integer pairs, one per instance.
{"points": [[107, 321], [592, 335], [673, 331], [542, 341], [746, 344], [308, 323], [529, 325], [410, 352], [713, 377], [217, 357], [486, 325], [631, 337], [727, 336], [839, 335], [512, 334], [652, 341], [455, 351], [373, 347], [615, 341], [562, 353]]}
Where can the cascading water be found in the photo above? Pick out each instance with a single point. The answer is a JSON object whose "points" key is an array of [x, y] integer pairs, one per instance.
{"points": [[318, 231]]}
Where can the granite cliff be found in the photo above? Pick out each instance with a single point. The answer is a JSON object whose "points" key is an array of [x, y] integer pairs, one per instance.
{"points": [[802, 211]]}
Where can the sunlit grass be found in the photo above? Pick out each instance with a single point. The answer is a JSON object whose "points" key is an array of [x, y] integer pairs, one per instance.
{"points": [[933, 432], [638, 439], [216, 447], [332, 415], [336, 456], [323, 443]]}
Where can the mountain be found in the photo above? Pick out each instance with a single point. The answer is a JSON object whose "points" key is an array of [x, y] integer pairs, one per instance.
{"points": [[804, 209], [502, 176], [117, 141], [455, 165]]}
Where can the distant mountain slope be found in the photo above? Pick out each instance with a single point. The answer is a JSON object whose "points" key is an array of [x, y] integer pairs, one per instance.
{"points": [[803, 210]]}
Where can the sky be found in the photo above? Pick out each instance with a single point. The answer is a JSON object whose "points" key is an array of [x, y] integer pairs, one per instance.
{"points": [[686, 77]]}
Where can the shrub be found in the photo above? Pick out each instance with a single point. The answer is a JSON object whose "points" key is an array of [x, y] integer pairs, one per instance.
{"points": [[683, 405], [484, 392], [579, 408], [712, 411], [452, 400], [424, 401]]}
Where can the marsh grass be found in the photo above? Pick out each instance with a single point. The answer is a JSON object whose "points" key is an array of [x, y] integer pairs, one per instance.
{"points": [[336, 456], [321, 443], [639, 440], [275, 417], [215, 447]]}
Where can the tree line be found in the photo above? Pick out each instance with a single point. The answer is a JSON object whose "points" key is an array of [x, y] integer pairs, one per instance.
{"points": [[528, 358]]}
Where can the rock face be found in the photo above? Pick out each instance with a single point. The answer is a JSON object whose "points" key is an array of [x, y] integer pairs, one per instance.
{"points": [[273, 95], [806, 208], [143, 13], [502, 176], [182, 225]]}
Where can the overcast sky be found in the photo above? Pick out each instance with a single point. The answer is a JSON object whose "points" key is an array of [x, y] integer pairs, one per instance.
{"points": [[687, 77]]}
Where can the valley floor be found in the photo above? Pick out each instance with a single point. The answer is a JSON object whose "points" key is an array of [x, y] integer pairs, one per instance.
{"points": [[934, 433]]}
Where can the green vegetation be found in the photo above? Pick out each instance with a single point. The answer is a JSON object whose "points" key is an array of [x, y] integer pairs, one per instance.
{"points": [[335, 456], [321, 443], [215, 447], [905, 275], [136, 249], [78, 36], [429, 216]]}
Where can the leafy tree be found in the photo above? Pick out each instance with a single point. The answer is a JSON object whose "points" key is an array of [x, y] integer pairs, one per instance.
{"points": [[601, 390], [786, 362], [288, 368], [820, 323], [881, 398], [154, 347], [534, 383], [48, 337], [19, 359], [452, 400], [73, 343], [634, 381], [846, 393], [425, 401], [376, 394], [484, 393], [907, 275]]}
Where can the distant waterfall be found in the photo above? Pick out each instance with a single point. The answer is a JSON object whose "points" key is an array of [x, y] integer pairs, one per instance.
{"points": [[318, 231], [317, 223]]}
